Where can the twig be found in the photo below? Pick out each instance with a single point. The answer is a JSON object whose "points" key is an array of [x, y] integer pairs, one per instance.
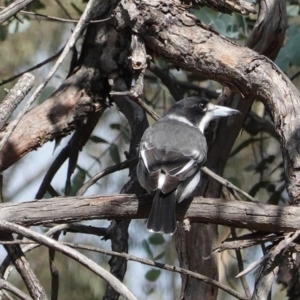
{"points": [[6, 269], [160, 266], [263, 285], [295, 76], [50, 243], [16, 255], [117, 167], [4, 81], [147, 109], [272, 253], [51, 18], [241, 266], [246, 241], [143, 261], [167, 80], [87, 14], [81, 228], [54, 271], [9, 297], [12, 9], [9, 287], [227, 183], [63, 9], [14, 97]]}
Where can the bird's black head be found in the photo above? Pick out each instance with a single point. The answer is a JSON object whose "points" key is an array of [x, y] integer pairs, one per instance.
{"points": [[197, 111]]}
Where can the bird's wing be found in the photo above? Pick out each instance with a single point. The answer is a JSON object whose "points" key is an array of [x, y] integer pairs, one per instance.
{"points": [[163, 165]]}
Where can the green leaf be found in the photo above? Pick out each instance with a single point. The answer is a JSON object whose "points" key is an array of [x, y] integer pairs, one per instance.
{"points": [[152, 275], [263, 165], [17, 27], [97, 139], [114, 153], [77, 9], [78, 180], [244, 145], [234, 181], [275, 198], [3, 33], [35, 5], [271, 188], [250, 168], [147, 248], [156, 239], [257, 187], [160, 255]]}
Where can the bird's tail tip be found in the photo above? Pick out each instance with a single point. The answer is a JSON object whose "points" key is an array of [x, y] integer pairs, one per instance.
{"points": [[162, 216]]}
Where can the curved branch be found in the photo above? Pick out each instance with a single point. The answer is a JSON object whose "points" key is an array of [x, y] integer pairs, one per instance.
{"points": [[185, 42], [41, 239], [5, 285]]}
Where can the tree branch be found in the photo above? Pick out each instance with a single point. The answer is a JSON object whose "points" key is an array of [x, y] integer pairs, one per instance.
{"points": [[41, 239], [9, 287], [227, 6], [256, 216], [14, 97], [13, 9], [23, 267], [162, 266]]}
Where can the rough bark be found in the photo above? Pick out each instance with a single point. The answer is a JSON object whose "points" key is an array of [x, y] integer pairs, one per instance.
{"points": [[172, 33], [80, 97], [256, 216], [14, 97], [178, 37]]}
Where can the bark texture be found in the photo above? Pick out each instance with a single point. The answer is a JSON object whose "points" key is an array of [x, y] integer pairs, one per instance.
{"points": [[256, 216], [171, 32]]}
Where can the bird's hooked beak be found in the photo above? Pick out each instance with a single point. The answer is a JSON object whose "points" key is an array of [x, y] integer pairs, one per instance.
{"points": [[213, 112], [221, 111]]}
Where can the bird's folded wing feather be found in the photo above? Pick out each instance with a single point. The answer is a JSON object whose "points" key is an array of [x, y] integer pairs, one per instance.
{"points": [[178, 154]]}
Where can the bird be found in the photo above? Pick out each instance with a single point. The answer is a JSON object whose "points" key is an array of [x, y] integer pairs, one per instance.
{"points": [[171, 153]]}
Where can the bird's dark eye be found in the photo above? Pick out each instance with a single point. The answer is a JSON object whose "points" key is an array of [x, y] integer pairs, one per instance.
{"points": [[203, 106]]}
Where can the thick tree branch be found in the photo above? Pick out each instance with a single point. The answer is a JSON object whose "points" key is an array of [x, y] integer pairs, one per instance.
{"points": [[67, 108], [262, 217]]}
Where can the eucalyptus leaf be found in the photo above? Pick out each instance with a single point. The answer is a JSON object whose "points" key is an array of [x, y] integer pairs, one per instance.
{"points": [[156, 239], [114, 153], [147, 248], [152, 275], [97, 139]]}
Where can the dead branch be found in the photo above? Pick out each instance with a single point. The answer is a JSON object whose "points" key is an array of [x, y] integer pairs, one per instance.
{"points": [[11, 288], [86, 16], [290, 237], [23, 267], [13, 9], [227, 6], [256, 216], [162, 266], [14, 97], [88, 263]]}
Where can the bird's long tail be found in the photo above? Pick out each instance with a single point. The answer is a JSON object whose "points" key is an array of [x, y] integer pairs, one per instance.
{"points": [[162, 217]]}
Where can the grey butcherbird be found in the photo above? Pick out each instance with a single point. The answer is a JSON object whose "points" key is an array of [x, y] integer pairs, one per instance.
{"points": [[171, 153]]}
